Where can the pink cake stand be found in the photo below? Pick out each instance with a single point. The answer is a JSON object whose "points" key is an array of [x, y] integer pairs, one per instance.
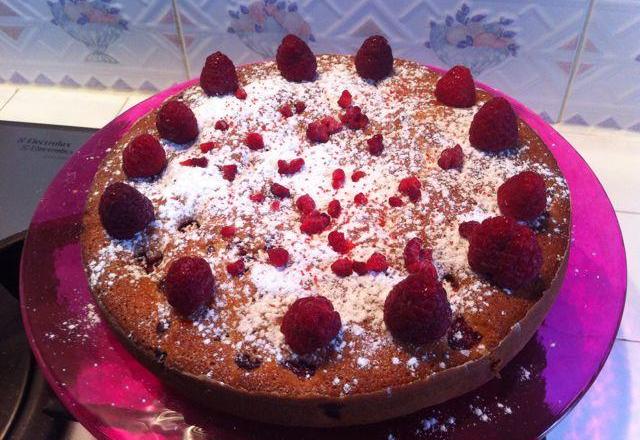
{"points": [[115, 397]]}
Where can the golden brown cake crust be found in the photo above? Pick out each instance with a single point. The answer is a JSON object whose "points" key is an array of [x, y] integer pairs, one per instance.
{"points": [[366, 376]]}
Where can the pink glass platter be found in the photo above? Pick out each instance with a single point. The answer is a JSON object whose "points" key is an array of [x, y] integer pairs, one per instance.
{"points": [[115, 397]]}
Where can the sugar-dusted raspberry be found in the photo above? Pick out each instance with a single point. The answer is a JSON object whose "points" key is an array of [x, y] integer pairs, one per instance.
{"points": [[124, 211], [338, 178], [300, 106], [334, 209], [305, 204], [310, 324], [357, 175], [278, 257], [143, 157], [205, 147], [456, 88], [218, 76], [523, 196], [353, 118], [236, 268], [417, 310], [228, 231], [345, 99], [395, 201], [315, 222], [241, 94], [295, 60], [257, 197], [377, 262], [451, 158], [494, 127], [198, 162], [374, 145], [505, 252], [417, 258], [291, 167], [254, 141], [320, 129], [229, 172], [360, 267], [360, 199], [275, 205], [177, 123], [343, 267], [410, 186], [280, 191], [374, 59], [339, 243], [189, 285], [221, 125], [466, 229], [285, 110]]}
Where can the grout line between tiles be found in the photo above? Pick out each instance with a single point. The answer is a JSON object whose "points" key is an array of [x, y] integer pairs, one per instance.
{"points": [[10, 98], [624, 211], [183, 46], [633, 341]]}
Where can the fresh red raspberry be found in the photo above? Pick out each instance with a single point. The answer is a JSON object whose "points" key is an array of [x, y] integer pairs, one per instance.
{"points": [[124, 211], [189, 285], [295, 60], [357, 175], [198, 162], [305, 204], [495, 126], [410, 186], [278, 257], [466, 229], [254, 141], [205, 147], [338, 178], [377, 262], [506, 252], [320, 129], [275, 205], [300, 106], [345, 99], [241, 94], [339, 243], [343, 267], [417, 310], [218, 76], [360, 199], [315, 222], [374, 145], [354, 118], [417, 258], [236, 268], [291, 167], [523, 196], [257, 197], [286, 111], [177, 123], [222, 125], [229, 172], [360, 267], [374, 59], [334, 209], [280, 191], [143, 157], [310, 324], [228, 231], [456, 88], [451, 158], [395, 201]]}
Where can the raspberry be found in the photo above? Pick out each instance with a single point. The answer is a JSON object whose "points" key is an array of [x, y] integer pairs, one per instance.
{"points": [[410, 186], [339, 243], [299, 106], [199, 162], [205, 147], [374, 59], [229, 172], [177, 123], [295, 60], [417, 258], [451, 158], [310, 324], [218, 76], [278, 257], [417, 310], [241, 94], [334, 209], [275, 206], [222, 125], [257, 197], [343, 267], [286, 111], [377, 262], [315, 222], [189, 285], [143, 157], [124, 211], [523, 196], [495, 126], [354, 118], [466, 229], [305, 204], [236, 268], [360, 267], [462, 336], [254, 141], [337, 178], [456, 88], [357, 175], [360, 199], [291, 167], [228, 231], [395, 201], [320, 129], [345, 99], [506, 252], [280, 191], [374, 145]]}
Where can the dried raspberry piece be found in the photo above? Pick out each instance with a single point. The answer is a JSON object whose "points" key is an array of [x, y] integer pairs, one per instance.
{"points": [[228, 231], [275, 206], [257, 197], [278, 257], [360, 267], [451, 158], [337, 178], [339, 243], [495, 126], [374, 59], [222, 125], [305, 204], [410, 186], [199, 162], [417, 310], [345, 99], [315, 222], [462, 336], [343, 267], [124, 211], [254, 141], [280, 191], [354, 118], [456, 88], [360, 199], [189, 285], [218, 76], [377, 262], [229, 172], [241, 94], [310, 324], [466, 229], [417, 258], [334, 209], [300, 106], [208, 146], [236, 268], [357, 175], [295, 60], [286, 111], [395, 201], [505, 252], [523, 196], [177, 123], [143, 157], [291, 167], [374, 145]]}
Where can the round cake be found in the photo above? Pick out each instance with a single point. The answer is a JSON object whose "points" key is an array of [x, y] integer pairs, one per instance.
{"points": [[327, 240]]}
